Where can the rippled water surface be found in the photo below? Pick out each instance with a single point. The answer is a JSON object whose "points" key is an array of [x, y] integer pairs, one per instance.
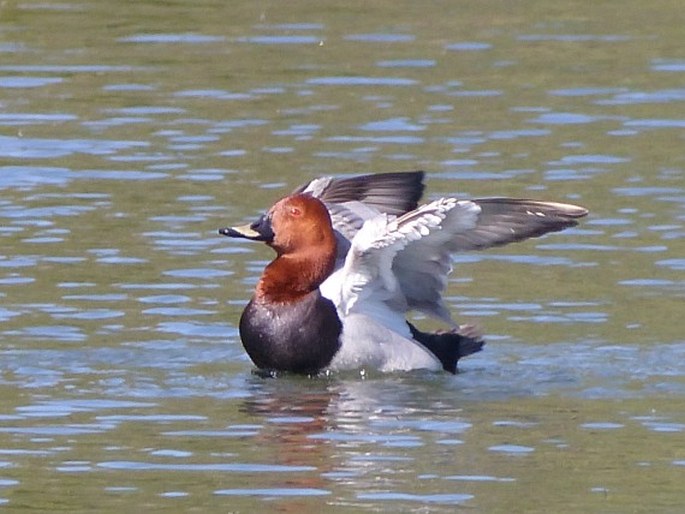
{"points": [[130, 131]]}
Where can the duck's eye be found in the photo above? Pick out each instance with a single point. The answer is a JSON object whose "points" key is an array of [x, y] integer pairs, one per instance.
{"points": [[295, 211]]}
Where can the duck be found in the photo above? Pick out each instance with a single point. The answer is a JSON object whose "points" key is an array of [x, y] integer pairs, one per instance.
{"points": [[355, 255]]}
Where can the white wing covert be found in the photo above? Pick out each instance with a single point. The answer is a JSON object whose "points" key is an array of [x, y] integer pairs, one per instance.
{"points": [[368, 269]]}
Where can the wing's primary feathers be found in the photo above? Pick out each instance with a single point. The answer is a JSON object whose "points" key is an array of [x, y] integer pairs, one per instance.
{"points": [[506, 220], [392, 193], [423, 266]]}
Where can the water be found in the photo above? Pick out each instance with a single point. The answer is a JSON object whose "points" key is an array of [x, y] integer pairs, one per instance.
{"points": [[130, 131]]}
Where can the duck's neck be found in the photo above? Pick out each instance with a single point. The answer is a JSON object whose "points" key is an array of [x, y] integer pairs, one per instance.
{"points": [[290, 276]]}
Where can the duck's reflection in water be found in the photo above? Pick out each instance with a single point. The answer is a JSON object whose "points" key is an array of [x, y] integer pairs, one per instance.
{"points": [[291, 410], [346, 431]]}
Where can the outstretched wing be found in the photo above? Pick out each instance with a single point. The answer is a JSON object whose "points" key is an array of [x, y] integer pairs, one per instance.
{"points": [[368, 270], [422, 267]]}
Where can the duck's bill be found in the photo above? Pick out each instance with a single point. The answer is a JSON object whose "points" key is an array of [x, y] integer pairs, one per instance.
{"points": [[244, 231], [260, 230]]}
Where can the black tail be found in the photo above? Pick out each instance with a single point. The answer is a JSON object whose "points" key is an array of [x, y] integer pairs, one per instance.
{"points": [[450, 346]]}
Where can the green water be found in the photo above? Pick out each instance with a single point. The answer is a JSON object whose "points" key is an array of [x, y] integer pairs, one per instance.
{"points": [[131, 131]]}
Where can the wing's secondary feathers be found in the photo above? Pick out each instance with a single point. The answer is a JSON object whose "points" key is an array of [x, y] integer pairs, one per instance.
{"points": [[368, 267], [423, 266]]}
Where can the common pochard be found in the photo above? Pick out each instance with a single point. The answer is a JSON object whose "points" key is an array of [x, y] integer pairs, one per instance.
{"points": [[354, 255]]}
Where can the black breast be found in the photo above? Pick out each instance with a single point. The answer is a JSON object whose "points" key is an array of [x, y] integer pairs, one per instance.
{"points": [[300, 337]]}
